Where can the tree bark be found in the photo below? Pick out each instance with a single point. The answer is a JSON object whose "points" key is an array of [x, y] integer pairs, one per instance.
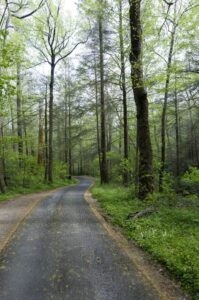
{"points": [[69, 134], [50, 141], [46, 134], [13, 126], [25, 135], [104, 171], [124, 93], [177, 133], [40, 155], [19, 116], [2, 163], [164, 110], [145, 174], [97, 117], [65, 126]]}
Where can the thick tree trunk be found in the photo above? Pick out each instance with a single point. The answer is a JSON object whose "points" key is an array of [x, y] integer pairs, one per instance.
{"points": [[50, 141], [19, 116], [146, 185], [104, 171], [124, 93]]}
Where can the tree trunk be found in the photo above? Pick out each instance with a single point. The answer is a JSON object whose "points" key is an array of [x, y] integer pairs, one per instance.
{"points": [[40, 155], [177, 133], [46, 134], [19, 116], [104, 172], [193, 147], [25, 136], [65, 126], [50, 141], [2, 164], [13, 126], [145, 174], [97, 118], [164, 110], [124, 94], [69, 135]]}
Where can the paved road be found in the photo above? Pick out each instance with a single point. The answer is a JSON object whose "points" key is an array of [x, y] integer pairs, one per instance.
{"points": [[63, 252]]}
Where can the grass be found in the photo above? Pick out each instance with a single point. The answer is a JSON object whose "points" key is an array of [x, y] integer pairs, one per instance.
{"points": [[171, 236], [39, 187]]}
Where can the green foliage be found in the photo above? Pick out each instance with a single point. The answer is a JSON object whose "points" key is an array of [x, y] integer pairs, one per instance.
{"points": [[190, 180], [28, 173], [60, 170], [168, 195], [125, 166], [191, 176], [114, 163], [171, 235]]}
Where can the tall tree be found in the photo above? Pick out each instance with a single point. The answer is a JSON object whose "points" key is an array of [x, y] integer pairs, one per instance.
{"points": [[124, 91], [19, 114], [104, 170], [164, 110], [146, 185], [53, 47]]}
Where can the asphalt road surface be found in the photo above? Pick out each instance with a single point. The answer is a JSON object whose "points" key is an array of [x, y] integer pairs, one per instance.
{"points": [[63, 252]]}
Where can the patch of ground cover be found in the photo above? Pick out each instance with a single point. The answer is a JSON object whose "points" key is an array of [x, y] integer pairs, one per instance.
{"points": [[171, 235]]}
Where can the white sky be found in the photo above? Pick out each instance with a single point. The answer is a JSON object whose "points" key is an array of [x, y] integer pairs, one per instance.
{"points": [[70, 6]]}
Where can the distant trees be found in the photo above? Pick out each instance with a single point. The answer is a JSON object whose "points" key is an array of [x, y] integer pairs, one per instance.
{"points": [[54, 45], [97, 112]]}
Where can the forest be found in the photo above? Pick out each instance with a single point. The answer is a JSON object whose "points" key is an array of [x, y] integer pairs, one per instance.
{"points": [[108, 89]]}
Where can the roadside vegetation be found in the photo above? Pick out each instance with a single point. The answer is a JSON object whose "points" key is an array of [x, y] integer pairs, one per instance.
{"points": [[31, 181], [170, 233]]}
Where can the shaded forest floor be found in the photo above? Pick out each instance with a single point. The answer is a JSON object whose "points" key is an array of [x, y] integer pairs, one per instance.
{"points": [[170, 234]]}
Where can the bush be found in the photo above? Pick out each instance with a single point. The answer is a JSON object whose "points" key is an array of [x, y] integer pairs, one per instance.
{"points": [[168, 195], [190, 180]]}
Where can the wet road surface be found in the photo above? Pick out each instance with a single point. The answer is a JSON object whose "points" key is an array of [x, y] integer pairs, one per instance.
{"points": [[63, 252]]}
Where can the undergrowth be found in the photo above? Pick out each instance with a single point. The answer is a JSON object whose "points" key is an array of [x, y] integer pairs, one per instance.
{"points": [[171, 235]]}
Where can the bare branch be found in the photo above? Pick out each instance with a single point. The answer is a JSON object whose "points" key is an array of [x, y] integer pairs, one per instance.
{"points": [[41, 4], [162, 57], [71, 51]]}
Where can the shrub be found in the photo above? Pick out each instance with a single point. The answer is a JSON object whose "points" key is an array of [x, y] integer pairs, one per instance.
{"points": [[190, 180]]}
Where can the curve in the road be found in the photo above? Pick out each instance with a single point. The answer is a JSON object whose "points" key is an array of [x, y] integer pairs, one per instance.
{"points": [[63, 252]]}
